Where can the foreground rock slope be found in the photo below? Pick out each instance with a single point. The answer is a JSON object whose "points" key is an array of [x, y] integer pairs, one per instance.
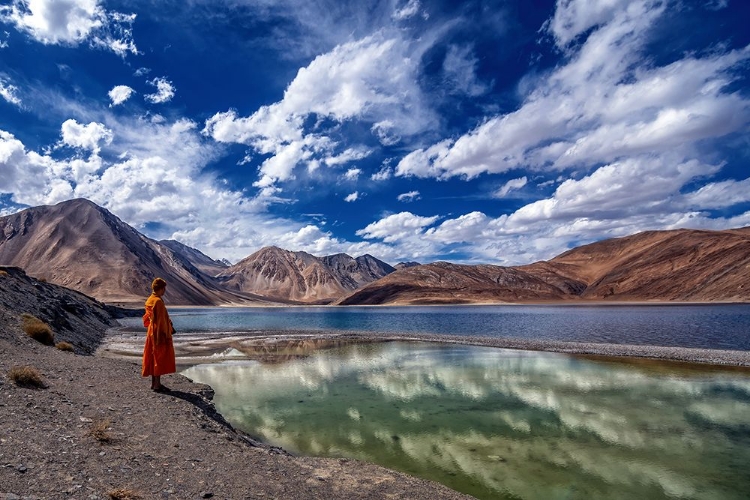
{"points": [[95, 430]]}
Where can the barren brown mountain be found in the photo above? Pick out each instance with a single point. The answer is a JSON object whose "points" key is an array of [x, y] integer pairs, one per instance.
{"points": [[298, 276], [680, 265], [445, 283], [82, 246]]}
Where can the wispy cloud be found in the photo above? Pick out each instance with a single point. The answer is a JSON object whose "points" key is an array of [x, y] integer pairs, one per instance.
{"points": [[164, 91], [9, 92], [511, 185], [408, 197]]}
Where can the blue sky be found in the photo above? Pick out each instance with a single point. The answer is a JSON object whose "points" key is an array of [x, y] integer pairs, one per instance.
{"points": [[499, 132]]}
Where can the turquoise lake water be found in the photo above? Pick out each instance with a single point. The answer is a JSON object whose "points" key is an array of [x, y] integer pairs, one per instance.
{"points": [[498, 423]]}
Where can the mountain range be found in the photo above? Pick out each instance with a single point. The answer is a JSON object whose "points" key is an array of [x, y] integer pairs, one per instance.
{"points": [[83, 246]]}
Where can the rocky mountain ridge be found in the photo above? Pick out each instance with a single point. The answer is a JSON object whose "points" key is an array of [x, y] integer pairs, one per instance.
{"points": [[299, 276], [85, 247], [82, 246]]}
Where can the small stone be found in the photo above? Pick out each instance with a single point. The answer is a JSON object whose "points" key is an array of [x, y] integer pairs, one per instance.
{"points": [[21, 469]]}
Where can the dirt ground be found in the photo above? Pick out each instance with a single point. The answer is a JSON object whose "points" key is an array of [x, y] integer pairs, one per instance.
{"points": [[152, 445]]}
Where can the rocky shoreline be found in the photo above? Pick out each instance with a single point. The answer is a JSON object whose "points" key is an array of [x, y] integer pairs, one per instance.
{"points": [[94, 430], [155, 445]]}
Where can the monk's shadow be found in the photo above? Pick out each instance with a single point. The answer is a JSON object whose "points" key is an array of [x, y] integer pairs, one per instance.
{"points": [[209, 410], [203, 404]]}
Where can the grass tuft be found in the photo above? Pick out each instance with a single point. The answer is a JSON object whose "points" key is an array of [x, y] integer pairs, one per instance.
{"points": [[26, 376], [123, 494], [65, 346], [37, 329], [100, 431]]}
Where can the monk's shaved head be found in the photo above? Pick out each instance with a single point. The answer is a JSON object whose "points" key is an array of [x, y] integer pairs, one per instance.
{"points": [[158, 284]]}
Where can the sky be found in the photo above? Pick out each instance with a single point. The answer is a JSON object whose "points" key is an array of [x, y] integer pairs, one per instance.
{"points": [[497, 132]]}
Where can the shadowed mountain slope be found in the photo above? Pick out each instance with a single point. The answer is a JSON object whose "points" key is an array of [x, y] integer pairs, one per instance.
{"points": [[445, 283], [196, 258]]}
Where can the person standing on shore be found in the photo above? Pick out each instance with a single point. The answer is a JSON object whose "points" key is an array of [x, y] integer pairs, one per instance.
{"points": [[158, 353]]}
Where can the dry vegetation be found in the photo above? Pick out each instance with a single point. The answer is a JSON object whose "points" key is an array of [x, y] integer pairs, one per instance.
{"points": [[65, 346], [3, 272], [37, 329], [26, 376], [123, 494], [100, 431]]}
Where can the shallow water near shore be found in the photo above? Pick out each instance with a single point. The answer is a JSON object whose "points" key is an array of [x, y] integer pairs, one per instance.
{"points": [[498, 423]]}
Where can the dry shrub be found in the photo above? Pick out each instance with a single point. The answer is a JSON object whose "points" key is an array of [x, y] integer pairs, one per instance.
{"points": [[100, 431], [123, 494], [37, 329], [65, 346], [26, 376]]}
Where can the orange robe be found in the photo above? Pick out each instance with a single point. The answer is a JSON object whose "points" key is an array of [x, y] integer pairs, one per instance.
{"points": [[158, 353]]}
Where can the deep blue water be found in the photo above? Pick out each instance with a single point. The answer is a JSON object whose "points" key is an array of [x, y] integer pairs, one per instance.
{"points": [[705, 326]]}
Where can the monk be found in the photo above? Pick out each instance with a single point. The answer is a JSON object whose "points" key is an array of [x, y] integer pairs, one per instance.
{"points": [[158, 353]]}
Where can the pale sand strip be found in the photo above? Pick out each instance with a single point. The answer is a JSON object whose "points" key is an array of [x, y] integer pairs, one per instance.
{"points": [[686, 354], [194, 349]]}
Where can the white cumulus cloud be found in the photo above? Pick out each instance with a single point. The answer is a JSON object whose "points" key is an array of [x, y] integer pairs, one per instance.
{"points": [[352, 174], [71, 22], [86, 137], [511, 185], [397, 226], [605, 104], [372, 80], [409, 9], [352, 197], [119, 94]]}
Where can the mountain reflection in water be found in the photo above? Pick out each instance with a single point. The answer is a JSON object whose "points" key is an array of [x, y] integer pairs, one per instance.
{"points": [[498, 423]]}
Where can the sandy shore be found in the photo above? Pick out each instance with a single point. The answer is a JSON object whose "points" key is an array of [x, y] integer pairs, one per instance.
{"points": [[207, 348]]}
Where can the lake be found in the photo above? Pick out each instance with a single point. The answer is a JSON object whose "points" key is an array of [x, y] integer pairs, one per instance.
{"points": [[702, 326], [499, 423]]}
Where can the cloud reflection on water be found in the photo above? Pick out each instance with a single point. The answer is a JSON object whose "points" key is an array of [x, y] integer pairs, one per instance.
{"points": [[500, 422]]}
